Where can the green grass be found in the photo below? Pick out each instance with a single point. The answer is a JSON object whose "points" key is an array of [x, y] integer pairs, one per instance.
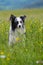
{"points": [[28, 51]]}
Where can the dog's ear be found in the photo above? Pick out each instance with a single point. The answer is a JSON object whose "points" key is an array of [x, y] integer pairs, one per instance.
{"points": [[23, 17], [12, 17]]}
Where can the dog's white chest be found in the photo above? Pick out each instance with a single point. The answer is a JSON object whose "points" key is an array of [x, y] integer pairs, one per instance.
{"points": [[15, 35]]}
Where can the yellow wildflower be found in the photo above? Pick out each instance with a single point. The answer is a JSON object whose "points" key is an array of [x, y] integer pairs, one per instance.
{"points": [[17, 39], [8, 58], [2, 53]]}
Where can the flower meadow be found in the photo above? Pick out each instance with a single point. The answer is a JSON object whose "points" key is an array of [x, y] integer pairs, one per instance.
{"points": [[30, 49]]}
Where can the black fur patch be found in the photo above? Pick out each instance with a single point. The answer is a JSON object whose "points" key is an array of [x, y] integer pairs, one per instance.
{"points": [[23, 18], [13, 23]]}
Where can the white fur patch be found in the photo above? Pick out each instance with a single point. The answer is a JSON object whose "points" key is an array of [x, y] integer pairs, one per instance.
{"points": [[19, 19]]}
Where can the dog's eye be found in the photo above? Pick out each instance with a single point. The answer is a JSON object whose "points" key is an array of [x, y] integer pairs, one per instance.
{"points": [[20, 21], [17, 22]]}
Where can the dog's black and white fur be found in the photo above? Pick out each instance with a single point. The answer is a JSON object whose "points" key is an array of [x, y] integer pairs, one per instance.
{"points": [[16, 26]]}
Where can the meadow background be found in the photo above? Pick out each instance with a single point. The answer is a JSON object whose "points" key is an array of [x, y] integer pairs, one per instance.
{"points": [[33, 49]]}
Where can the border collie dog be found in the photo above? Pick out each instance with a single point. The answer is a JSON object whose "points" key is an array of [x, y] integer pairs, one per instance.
{"points": [[17, 28]]}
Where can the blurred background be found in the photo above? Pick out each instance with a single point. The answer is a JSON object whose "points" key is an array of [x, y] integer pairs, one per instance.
{"points": [[20, 4]]}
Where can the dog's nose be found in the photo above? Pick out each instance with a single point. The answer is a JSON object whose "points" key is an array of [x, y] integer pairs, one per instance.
{"points": [[19, 26]]}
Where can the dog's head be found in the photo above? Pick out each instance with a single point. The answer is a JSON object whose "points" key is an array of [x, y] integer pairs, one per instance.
{"points": [[17, 22]]}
